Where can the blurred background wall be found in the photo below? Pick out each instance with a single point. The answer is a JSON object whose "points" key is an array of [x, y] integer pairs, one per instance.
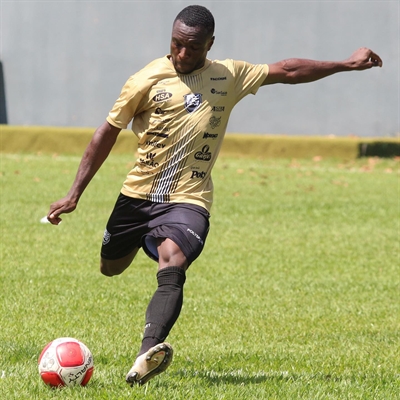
{"points": [[64, 62]]}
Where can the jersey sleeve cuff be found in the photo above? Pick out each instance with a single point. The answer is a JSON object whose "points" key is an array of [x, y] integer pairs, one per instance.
{"points": [[116, 124]]}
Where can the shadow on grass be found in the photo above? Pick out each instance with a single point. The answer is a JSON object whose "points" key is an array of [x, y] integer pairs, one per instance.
{"points": [[240, 377]]}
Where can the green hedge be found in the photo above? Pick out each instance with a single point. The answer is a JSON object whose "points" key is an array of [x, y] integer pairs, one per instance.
{"points": [[31, 139]]}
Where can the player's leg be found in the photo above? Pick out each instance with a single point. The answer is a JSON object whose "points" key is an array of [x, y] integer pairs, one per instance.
{"points": [[175, 247], [116, 267], [162, 312], [122, 237], [170, 254], [166, 304]]}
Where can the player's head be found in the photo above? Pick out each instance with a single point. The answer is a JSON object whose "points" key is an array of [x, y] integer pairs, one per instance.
{"points": [[192, 37], [197, 16]]}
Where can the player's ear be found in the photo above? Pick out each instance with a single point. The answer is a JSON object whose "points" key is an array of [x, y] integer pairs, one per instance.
{"points": [[210, 43]]}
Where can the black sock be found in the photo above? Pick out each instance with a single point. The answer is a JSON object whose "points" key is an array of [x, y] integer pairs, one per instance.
{"points": [[164, 307]]}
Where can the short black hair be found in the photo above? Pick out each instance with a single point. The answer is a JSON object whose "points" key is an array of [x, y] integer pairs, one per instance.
{"points": [[197, 16]]}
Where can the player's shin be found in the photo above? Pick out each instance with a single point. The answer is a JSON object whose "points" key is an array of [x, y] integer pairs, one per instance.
{"points": [[164, 307]]}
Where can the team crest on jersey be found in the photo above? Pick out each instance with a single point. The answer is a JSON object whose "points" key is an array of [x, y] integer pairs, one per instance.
{"points": [[192, 101]]}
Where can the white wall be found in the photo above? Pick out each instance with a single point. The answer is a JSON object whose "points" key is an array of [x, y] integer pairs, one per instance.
{"points": [[65, 61]]}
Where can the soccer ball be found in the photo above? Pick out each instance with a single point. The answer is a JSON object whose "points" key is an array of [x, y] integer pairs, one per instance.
{"points": [[65, 362]]}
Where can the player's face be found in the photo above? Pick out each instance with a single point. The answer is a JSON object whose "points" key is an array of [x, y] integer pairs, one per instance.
{"points": [[189, 47]]}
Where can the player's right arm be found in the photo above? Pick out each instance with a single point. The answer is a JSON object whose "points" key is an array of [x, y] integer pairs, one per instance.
{"points": [[95, 154], [298, 70]]}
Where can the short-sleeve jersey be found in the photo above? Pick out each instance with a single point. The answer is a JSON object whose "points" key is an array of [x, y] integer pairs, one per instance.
{"points": [[180, 121]]}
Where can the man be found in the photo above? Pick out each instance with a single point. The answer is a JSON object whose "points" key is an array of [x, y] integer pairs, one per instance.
{"points": [[180, 105]]}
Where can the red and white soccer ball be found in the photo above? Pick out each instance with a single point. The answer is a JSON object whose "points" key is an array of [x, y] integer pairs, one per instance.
{"points": [[65, 362]]}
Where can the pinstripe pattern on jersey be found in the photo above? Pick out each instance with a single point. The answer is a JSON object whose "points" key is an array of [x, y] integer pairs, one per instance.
{"points": [[166, 181], [193, 82]]}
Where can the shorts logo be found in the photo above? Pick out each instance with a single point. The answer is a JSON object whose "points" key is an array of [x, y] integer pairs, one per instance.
{"points": [[201, 241], [215, 122], [106, 237], [204, 154], [163, 96], [193, 101]]}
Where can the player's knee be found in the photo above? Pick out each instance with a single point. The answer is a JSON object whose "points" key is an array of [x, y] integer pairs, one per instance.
{"points": [[116, 267], [107, 269], [170, 254]]}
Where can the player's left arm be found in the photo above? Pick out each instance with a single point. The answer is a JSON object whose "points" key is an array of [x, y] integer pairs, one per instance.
{"points": [[298, 70]]}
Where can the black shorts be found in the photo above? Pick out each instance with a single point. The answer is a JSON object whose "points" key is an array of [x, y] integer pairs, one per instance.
{"points": [[136, 223]]}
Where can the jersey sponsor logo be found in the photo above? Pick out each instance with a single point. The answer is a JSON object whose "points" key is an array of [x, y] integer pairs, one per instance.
{"points": [[215, 91], [163, 96], [198, 175], [149, 161], [157, 134], [155, 143], [218, 108], [210, 135], [215, 122], [204, 154], [219, 78], [159, 126], [159, 111], [193, 101], [159, 123]]}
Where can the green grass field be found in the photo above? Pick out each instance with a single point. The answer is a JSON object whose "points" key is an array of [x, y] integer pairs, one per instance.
{"points": [[296, 295]]}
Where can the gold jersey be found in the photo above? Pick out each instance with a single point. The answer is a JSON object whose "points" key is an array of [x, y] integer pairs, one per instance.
{"points": [[180, 121]]}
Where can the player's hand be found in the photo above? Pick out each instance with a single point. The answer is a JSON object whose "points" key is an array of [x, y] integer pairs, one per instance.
{"points": [[62, 206], [364, 58]]}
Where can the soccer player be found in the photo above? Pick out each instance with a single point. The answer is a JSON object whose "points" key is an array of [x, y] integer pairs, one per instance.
{"points": [[180, 106]]}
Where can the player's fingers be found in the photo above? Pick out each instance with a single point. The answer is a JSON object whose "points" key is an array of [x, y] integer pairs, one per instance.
{"points": [[375, 59], [378, 62], [54, 218]]}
